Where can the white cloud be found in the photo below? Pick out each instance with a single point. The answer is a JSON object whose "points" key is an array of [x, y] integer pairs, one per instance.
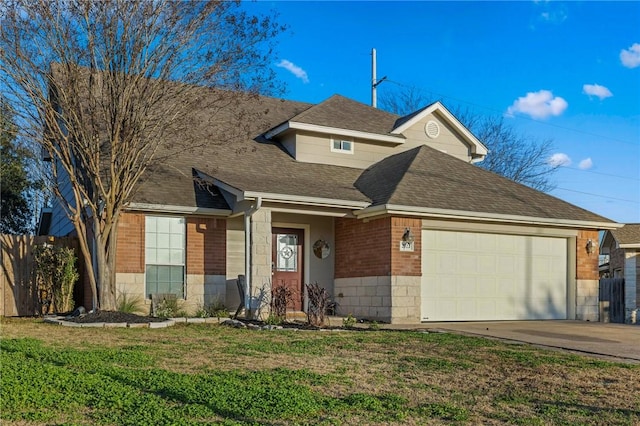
{"points": [[596, 90], [559, 159], [554, 16], [541, 104], [630, 57], [294, 69], [585, 164]]}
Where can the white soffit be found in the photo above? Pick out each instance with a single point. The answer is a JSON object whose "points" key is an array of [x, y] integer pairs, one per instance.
{"points": [[399, 139]]}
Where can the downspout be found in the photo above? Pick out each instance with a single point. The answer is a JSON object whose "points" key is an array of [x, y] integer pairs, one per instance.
{"points": [[247, 252]]}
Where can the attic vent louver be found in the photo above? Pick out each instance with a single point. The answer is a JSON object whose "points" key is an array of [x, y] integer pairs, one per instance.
{"points": [[432, 129]]}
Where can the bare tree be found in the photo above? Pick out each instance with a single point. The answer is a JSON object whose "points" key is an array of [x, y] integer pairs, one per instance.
{"points": [[100, 86], [518, 157]]}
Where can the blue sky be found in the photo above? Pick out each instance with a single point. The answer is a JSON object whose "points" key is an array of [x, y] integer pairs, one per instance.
{"points": [[566, 71]]}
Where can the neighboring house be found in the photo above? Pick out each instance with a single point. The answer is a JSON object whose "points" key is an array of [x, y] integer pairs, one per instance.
{"points": [[387, 213], [622, 246]]}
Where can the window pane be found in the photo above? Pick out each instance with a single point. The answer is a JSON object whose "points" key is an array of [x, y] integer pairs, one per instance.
{"points": [[150, 238], [287, 252], [164, 273], [177, 225], [152, 280], [175, 241], [164, 224], [150, 255], [176, 257], [162, 240], [150, 224], [164, 287], [177, 274], [336, 144], [163, 256], [152, 273], [346, 145]]}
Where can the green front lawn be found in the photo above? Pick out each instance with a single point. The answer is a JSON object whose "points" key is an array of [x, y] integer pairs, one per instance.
{"points": [[208, 374]]}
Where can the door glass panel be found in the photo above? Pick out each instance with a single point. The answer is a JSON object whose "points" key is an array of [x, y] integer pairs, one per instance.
{"points": [[287, 247]]}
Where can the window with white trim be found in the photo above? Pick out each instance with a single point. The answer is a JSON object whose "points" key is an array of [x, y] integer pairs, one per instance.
{"points": [[341, 145], [165, 255]]}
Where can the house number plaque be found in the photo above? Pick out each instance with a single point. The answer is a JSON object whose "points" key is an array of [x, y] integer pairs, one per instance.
{"points": [[406, 246]]}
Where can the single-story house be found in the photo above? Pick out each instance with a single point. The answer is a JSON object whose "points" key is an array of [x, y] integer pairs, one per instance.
{"points": [[622, 247], [388, 213]]}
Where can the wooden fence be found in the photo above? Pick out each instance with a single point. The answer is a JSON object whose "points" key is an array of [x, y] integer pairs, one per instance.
{"points": [[18, 290], [612, 300]]}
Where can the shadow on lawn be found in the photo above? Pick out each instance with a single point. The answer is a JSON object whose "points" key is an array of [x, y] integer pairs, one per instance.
{"points": [[173, 394], [551, 407]]}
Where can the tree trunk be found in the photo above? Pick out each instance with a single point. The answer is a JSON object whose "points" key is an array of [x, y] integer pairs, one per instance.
{"points": [[105, 257]]}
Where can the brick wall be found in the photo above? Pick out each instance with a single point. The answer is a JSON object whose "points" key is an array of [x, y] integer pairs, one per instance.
{"points": [[403, 262], [206, 246], [362, 249], [365, 249], [130, 249], [587, 264]]}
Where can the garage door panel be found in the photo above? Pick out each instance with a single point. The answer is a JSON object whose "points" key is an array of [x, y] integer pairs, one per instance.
{"points": [[467, 287], [472, 276], [506, 264], [486, 264], [445, 263]]}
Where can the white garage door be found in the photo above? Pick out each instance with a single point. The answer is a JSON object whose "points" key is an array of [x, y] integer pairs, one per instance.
{"points": [[473, 277]]}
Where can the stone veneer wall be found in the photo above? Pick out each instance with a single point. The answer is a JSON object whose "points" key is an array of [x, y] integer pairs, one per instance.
{"points": [[364, 297], [373, 279], [261, 261], [587, 277]]}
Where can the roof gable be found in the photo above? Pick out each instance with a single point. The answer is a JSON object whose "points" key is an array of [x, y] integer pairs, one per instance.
{"points": [[628, 236], [437, 108]]}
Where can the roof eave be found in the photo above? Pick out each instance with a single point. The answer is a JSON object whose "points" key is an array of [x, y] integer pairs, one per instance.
{"points": [[169, 208], [306, 200], [392, 209], [333, 131], [630, 246]]}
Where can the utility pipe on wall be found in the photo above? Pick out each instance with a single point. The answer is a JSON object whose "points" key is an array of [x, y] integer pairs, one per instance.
{"points": [[247, 252]]}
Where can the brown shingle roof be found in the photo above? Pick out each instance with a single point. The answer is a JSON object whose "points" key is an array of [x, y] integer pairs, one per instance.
{"points": [[421, 177], [247, 162], [345, 113], [628, 234], [426, 177]]}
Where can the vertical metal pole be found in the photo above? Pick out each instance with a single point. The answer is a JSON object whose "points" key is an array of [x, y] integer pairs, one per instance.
{"points": [[374, 101]]}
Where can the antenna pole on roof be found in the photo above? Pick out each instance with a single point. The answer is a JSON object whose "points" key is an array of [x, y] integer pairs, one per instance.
{"points": [[374, 81]]}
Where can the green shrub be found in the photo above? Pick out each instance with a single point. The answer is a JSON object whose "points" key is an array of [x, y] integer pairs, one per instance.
{"points": [[56, 274], [349, 321], [130, 304], [167, 308]]}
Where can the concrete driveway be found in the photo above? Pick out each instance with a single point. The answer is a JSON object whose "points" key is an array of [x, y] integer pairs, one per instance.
{"points": [[618, 341]]}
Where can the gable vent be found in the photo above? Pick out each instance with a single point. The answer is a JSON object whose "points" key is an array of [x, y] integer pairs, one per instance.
{"points": [[432, 129]]}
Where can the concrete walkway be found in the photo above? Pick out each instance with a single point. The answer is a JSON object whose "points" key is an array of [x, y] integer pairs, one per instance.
{"points": [[620, 342]]}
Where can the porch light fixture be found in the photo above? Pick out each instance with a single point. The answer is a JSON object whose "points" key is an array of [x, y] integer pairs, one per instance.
{"points": [[408, 237], [589, 246]]}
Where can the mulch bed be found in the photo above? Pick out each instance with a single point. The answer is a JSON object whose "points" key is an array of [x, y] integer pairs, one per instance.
{"points": [[112, 317]]}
